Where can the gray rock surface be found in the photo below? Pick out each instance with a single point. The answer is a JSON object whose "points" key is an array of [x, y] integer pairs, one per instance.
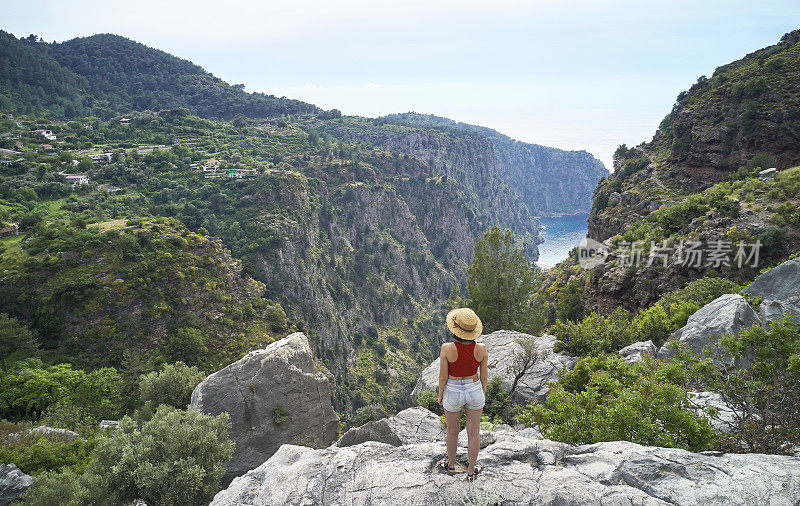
{"points": [[779, 283], [780, 289], [108, 424], [65, 435], [502, 346], [283, 374], [487, 438], [724, 419], [767, 174], [13, 483], [775, 310], [519, 470], [637, 351], [727, 314], [412, 425]]}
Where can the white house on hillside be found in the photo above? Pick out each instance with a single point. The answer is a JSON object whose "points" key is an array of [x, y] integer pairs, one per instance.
{"points": [[75, 179]]}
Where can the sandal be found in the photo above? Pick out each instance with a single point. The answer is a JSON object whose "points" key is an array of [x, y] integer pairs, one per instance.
{"points": [[445, 467], [478, 470]]}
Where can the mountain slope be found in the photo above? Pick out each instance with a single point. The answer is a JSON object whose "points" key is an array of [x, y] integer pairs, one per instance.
{"points": [[108, 73], [746, 113], [550, 181], [134, 287]]}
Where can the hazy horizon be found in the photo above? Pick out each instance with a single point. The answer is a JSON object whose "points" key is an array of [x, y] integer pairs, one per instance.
{"points": [[571, 75]]}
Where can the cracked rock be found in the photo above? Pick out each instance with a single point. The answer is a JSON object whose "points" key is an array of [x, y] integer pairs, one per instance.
{"points": [[412, 425], [518, 470], [274, 396]]}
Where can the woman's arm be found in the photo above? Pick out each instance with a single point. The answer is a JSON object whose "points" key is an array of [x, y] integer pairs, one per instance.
{"points": [[485, 369], [442, 371]]}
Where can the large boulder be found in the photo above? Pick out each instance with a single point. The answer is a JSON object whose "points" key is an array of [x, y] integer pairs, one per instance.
{"points": [[412, 425], [519, 470], [502, 347], [637, 351], [727, 314], [274, 396], [13, 483], [780, 289]]}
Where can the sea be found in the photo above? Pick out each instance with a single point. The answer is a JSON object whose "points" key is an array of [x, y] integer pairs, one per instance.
{"points": [[560, 236]]}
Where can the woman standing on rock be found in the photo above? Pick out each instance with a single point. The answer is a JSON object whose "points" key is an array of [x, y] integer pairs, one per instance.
{"points": [[459, 387]]}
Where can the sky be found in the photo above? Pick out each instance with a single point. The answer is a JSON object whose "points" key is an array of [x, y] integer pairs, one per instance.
{"points": [[570, 74]]}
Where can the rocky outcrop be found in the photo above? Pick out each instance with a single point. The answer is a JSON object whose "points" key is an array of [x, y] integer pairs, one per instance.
{"points": [[727, 314], [637, 351], [13, 483], [503, 347], [780, 289], [412, 425], [277, 395], [519, 470], [64, 435]]}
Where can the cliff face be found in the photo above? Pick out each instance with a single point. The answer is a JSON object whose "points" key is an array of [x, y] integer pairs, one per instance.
{"points": [[746, 108], [549, 181], [366, 260]]}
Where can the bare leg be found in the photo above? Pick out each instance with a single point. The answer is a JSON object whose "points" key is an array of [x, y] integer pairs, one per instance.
{"points": [[473, 436], [453, 419]]}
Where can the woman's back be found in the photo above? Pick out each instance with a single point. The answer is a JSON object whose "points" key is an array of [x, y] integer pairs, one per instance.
{"points": [[465, 363]]}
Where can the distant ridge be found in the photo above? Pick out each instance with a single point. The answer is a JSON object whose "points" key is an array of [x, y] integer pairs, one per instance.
{"points": [[550, 181], [112, 73]]}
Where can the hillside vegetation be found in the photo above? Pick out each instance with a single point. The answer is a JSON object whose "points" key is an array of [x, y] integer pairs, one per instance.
{"points": [[104, 74]]}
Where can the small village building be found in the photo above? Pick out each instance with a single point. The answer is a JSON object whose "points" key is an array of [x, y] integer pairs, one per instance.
{"points": [[47, 134], [76, 179], [102, 157]]}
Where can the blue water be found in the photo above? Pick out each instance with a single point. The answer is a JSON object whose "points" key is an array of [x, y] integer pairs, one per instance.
{"points": [[560, 236]]}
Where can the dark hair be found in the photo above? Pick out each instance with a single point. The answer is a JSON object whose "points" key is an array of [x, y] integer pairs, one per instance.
{"points": [[462, 341]]}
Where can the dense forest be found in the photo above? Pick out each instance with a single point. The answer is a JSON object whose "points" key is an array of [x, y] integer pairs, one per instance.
{"points": [[106, 74]]}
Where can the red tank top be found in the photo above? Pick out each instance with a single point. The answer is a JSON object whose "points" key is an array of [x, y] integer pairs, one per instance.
{"points": [[465, 364]]}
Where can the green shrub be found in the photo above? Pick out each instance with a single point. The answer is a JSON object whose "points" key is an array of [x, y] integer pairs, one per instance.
{"points": [[368, 413], [37, 454], [186, 345], [177, 457], [606, 399], [172, 385], [759, 162], [498, 401], [773, 242], [700, 291], [595, 333], [681, 311], [767, 382], [569, 301], [67, 489], [279, 415], [651, 324], [29, 388], [428, 399], [598, 333], [673, 217]]}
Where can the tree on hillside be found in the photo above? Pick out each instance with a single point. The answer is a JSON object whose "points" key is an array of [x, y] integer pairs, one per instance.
{"points": [[501, 280], [15, 337]]}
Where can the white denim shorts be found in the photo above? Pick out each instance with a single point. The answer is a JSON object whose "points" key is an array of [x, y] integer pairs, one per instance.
{"points": [[461, 393]]}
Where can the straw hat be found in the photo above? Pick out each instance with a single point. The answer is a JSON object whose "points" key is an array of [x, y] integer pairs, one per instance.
{"points": [[464, 323]]}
